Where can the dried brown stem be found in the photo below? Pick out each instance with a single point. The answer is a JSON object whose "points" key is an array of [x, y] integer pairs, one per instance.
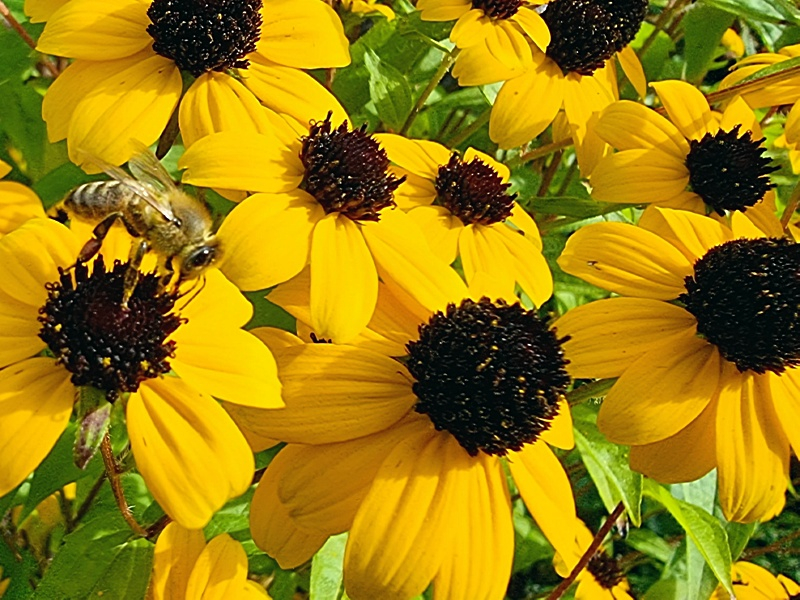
{"points": [[112, 472]]}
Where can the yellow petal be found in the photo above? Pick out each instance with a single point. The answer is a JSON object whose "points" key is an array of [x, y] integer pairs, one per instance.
{"points": [[508, 46], [685, 456], [752, 450], [525, 225], [633, 69], [217, 292], [36, 400], [560, 433], [529, 265], [784, 389], [125, 110], [291, 92], [584, 100], [39, 11], [792, 130], [18, 203], [344, 282], [639, 177], [608, 336], [421, 157], [515, 119], [97, 30], [396, 542], [534, 26], [661, 393], [629, 125], [190, 453], [402, 255], [738, 112], [305, 34], [687, 108], [443, 10], [220, 571], [470, 29], [254, 162], [441, 230], [476, 65], [480, 253], [627, 260], [19, 331], [268, 238], [332, 394], [177, 550], [692, 234]]}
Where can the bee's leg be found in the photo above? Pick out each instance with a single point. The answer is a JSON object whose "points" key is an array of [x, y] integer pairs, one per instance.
{"points": [[169, 274], [138, 250], [92, 247]]}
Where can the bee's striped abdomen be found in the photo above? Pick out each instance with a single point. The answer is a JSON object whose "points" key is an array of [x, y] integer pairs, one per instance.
{"points": [[96, 200]]}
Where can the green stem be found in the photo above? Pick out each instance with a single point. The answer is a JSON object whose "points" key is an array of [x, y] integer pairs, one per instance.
{"points": [[447, 60], [539, 152], [467, 132], [595, 389]]}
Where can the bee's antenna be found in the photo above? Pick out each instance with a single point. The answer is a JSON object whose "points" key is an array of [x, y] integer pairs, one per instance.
{"points": [[191, 290]]}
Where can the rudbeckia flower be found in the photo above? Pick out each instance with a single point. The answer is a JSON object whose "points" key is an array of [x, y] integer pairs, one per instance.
{"points": [[705, 340], [752, 582], [494, 37], [132, 58], [697, 160], [18, 203], [65, 330], [574, 73], [403, 441], [464, 208], [186, 568], [327, 199], [785, 91]]}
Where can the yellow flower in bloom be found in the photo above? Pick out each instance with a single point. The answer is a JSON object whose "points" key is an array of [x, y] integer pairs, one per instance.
{"points": [[786, 91], [574, 73], [463, 207], [752, 582], [403, 441], [697, 160], [368, 6], [791, 137], [186, 568], [327, 199], [18, 203], [191, 455], [132, 57], [494, 36], [705, 340]]}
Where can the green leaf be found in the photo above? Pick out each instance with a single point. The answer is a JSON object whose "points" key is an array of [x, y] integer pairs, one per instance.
{"points": [[772, 11], [738, 536], [326, 569], [784, 65], [570, 206], [389, 90], [648, 542], [704, 530], [703, 27], [607, 465]]}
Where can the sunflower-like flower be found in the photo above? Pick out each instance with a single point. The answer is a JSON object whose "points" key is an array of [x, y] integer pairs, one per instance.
{"points": [[494, 36], [784, 91], [64, 330], [403, 441], [132, 58], [697, 160], [18, 202], [752, 582], [574, 73], [463, 207], [186, 568], [327, 199], [705, 340]]}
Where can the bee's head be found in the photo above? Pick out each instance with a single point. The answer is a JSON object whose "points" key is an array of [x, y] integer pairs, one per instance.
{"points": [[197, 258]]}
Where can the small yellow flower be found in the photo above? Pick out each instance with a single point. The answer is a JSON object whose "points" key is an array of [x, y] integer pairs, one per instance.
{"points": [[367, 7], [786, 91], [752, 582]]}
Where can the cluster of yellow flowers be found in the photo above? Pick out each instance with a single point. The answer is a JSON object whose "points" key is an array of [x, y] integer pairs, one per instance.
{"points": [[420, 373]]}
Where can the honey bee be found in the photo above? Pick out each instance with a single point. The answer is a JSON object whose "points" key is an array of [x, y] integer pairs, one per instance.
{"points": [[159, 216]]}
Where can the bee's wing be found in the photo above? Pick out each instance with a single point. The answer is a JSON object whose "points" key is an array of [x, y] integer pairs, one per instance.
{"points": [[147, 169]]}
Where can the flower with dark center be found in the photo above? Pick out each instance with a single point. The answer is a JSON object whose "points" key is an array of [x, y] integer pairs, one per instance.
{"points": [[101, 343], [498, 9], [346, 170], [586, 33], [605, 570], [473, 191], [209, 35], [729, 171], [745, 295], [488, 373]]}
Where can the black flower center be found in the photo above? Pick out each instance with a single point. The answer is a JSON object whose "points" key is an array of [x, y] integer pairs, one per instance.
{"points": [[727, 171], [473, 191], [586, 33], [605, 570], [205, 35], [498, 9], [347, 171], [101, 343], [488, 373], [745, 295]]}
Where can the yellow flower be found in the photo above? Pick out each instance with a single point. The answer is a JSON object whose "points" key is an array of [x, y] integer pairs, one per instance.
{"points": [[786, 91], [494, 37], [191, 455], [791, 137], [186, 568], [706, 344], [18, 203], [132, 57], [575, 73], [409, 454], [698, 160], [327, 199], [464, 210], [752, 582], [733, 42], [368, 6]]}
